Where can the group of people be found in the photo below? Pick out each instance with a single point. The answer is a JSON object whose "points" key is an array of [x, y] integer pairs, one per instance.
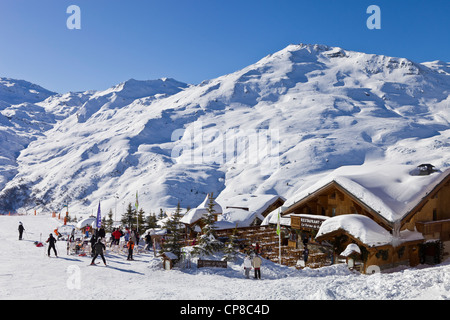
{"points": [[254, 263], [97, 243], [251, 261], [51, 240], [98, 247], [131, 238]]}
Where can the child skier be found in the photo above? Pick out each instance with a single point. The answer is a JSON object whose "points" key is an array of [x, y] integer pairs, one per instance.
{"points": [[130, 246]]}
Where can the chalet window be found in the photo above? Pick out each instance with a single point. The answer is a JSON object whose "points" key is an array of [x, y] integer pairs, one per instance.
{"points": [[333, 212], [333, 195], [434, 215]]}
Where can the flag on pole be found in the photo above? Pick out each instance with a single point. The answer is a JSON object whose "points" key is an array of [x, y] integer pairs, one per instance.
{"points": [[137, 206], [278, 223], [99, 216], [279, 236], [137, 202]]}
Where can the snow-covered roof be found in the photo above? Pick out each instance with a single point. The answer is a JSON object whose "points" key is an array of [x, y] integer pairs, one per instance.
{"points": [[86, 222], [243, 209], [366, 230], [170, 255], [196, 214], [390, 190], [351, 248], [359, 227]]}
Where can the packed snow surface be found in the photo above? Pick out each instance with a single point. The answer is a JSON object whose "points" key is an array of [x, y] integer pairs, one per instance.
{"points": [[27, 273]]}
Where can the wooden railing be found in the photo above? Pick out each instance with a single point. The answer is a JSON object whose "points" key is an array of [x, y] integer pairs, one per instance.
{"points": [[441, 226]]}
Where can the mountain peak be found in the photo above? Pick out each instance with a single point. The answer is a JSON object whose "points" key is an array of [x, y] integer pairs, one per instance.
{"points": [[136, 89], [13, 91], [327, 107]]}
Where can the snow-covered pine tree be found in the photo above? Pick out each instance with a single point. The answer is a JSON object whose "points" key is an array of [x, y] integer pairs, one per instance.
{"points": [[173, 242], [129, 218], [108, 222], [207, 242], [150, 221], [230, 249], [141, 219]]}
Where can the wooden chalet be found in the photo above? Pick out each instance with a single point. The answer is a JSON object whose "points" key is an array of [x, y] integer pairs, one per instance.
{"points": [[193, 218], [396, 215], [246, 210]]}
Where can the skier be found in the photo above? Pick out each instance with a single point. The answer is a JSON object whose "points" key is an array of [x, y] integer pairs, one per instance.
{"points": [[130, 246], [127, 234], [305, 255], [51, 244], [256, 262], [98, 250], [117, 234], [247, 266], [93, 241], [21, 230], [101, 233], [148, 241]]}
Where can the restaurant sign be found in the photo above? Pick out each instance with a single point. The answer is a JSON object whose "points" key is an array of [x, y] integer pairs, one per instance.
{"points": [[307, 222], [310, 223]]}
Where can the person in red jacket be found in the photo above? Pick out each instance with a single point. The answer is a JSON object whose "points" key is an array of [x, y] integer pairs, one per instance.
{"points": [[116, 234]]}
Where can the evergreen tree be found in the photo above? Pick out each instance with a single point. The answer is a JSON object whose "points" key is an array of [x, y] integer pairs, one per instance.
{"points": [[129, 218], [208, 243], [230, 249], [150, 221], [162, 214], [141, 220], [108, 223], [174, 236]]}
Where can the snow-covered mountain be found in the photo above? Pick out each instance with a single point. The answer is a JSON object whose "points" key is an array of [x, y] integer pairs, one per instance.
{"points": [[304, 110]]}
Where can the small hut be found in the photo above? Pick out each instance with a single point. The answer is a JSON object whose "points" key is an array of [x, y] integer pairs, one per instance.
{"points": [[169, 259], [351, 254]]}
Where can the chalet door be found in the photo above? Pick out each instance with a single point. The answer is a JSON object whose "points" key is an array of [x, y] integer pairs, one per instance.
{"points": [[413, 253]]}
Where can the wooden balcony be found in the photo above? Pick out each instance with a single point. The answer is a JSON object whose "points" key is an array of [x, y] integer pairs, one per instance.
{"points": [[432, 227]]}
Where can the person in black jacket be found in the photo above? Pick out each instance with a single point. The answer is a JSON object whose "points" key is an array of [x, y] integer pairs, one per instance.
{"points": [[98, 250], [51, 244], [21, 229]]}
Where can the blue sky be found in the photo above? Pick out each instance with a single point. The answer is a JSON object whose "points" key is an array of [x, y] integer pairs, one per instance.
{"points": [[194, 40]]}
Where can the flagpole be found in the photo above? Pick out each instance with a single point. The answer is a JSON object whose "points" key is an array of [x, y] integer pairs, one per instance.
{"points": [[99, 217], [137, 213], [279, 236]]}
